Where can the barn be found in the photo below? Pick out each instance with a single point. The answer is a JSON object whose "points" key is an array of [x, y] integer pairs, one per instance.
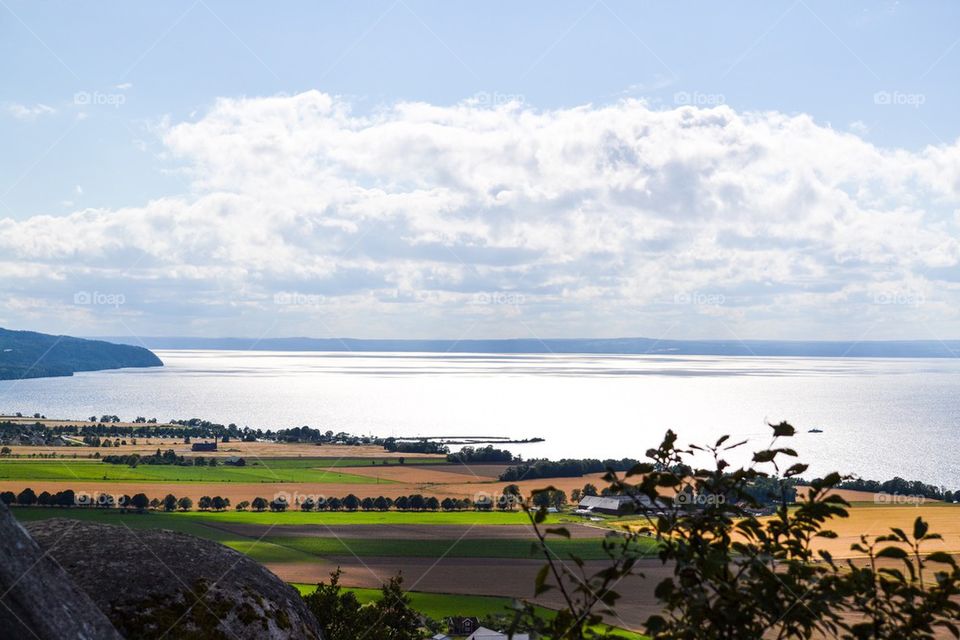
{"points": [[608, 505]]}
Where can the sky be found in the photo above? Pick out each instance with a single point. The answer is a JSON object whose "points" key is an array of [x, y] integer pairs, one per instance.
{"points": [[404, 169]]}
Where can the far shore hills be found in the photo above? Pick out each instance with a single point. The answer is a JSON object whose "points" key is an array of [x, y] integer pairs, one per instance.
{"points": [[611, 346], [28, 354]]}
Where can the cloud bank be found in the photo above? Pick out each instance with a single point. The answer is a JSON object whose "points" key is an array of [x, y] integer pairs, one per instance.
{"points": [[418, 220]]}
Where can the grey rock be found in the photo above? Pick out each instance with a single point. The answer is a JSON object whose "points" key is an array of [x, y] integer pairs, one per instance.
{"points": [[154, 583], [38, 600]]}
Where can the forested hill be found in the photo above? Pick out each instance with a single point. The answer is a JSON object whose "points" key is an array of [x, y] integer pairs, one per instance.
{"points": [[26, 354]]}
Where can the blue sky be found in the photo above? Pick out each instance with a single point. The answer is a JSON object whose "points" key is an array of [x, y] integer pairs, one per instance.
{"points": [[123, 116]]}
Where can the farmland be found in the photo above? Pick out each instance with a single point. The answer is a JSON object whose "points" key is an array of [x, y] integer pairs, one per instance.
{"points": [[465, 562], [455, 561], [257, 470]]}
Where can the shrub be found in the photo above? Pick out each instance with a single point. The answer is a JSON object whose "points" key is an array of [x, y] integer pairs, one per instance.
{"points": [[736, 575]]}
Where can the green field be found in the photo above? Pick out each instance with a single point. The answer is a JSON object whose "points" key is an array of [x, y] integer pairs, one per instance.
{"points": [[159, 519], [366, 517], [443, 605], [259, 551], [276, 548], [257, 470]]}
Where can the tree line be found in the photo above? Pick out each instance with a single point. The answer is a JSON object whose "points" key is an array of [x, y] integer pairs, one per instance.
{"points": [[509, 500], [899, 486], [481, 454], [169, 457], [565, 468]]}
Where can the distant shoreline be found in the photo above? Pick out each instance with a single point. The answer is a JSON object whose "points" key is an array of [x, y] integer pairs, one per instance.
{"points": [[599, 346]]}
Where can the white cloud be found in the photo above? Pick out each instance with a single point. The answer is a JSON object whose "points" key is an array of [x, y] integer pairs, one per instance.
{"points": [[28, 112], [604, 220]]}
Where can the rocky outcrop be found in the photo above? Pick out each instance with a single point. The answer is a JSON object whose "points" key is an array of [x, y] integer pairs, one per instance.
{"points": [[154, 583], [37, 598]]}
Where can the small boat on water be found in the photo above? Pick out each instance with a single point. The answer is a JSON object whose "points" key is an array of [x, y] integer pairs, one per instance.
{"points": [[815, 431]]}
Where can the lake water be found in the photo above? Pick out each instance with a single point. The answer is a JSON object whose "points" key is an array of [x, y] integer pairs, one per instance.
{"points": [[880, 417]]}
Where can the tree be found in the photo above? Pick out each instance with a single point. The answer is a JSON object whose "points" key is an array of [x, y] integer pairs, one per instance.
{"points": [[259, 504], [558, 499], [279, 503], [367, 504], [185, 504], [448, 504], [169, 502], [402, 503], [380, 503], [5, 451], [417, 502], [140, 502], [736, 575], [205, 503], [8, 497], [242, 505], [334, 504], [541, 499], [219, 503], [44, 499], [589, 490], [391, 616], [351, 502], [155, 503], [308, 504], [432, 504], [27, 497], [337, 612], [511, 497], [66, 498]]}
